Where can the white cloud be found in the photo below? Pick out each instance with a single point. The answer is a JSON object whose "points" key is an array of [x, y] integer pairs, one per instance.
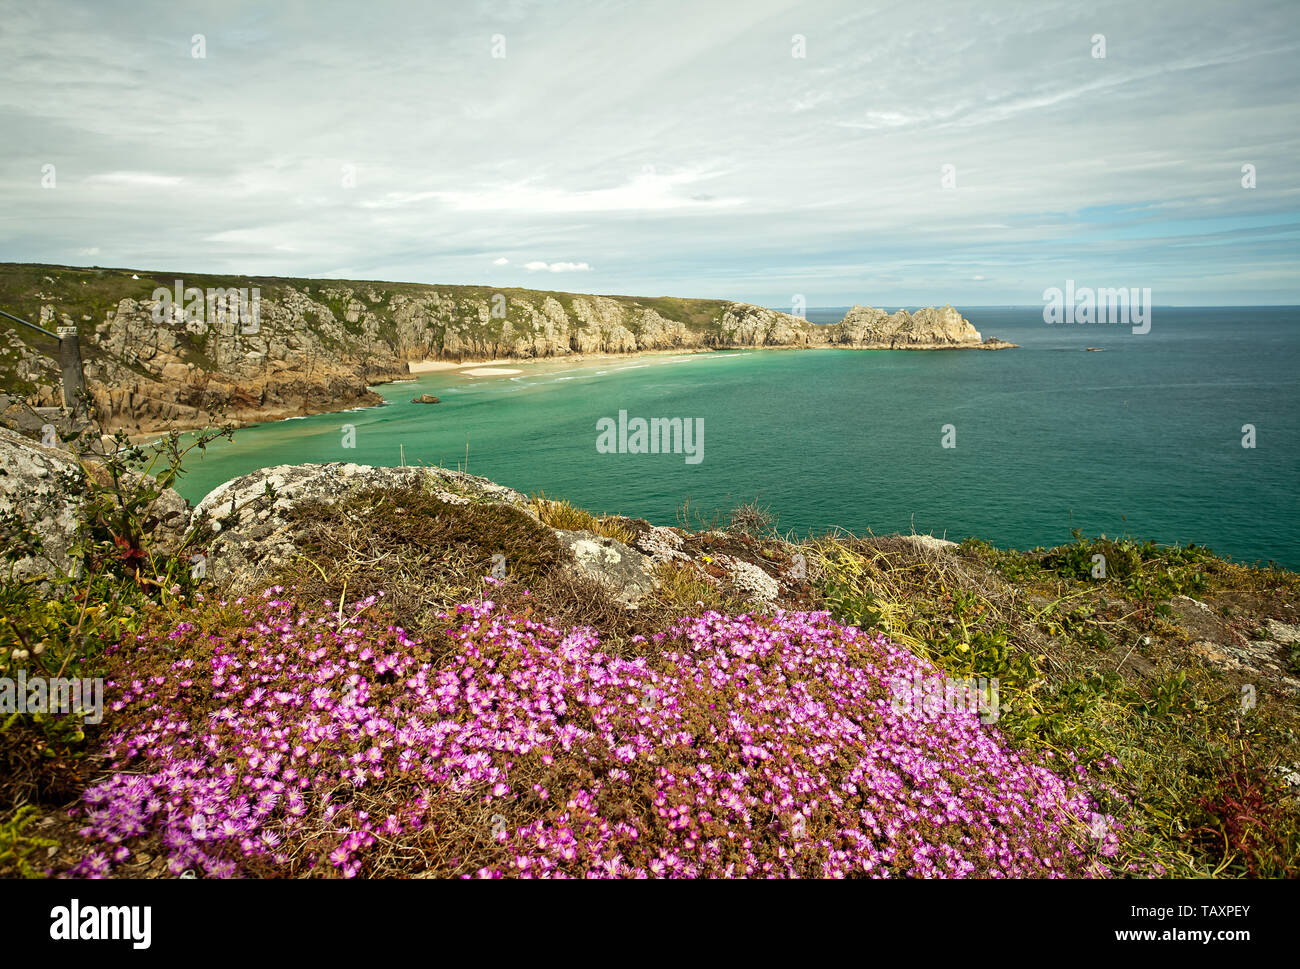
{"points": [[136, 179], [556, 267], [647, 192], [677, 143]]}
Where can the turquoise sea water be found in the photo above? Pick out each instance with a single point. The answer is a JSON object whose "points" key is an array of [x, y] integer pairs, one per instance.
{"points": [[1142, 439]]}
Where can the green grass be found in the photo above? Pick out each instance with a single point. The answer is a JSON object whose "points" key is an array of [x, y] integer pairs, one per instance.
{"points": [[1192, 770], [87, 295]]}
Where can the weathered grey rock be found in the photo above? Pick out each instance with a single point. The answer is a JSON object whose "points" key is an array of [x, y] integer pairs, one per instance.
{"points": [[755, 326], [751, 581], [1260, 657], [254, 535], [624, 571], [39, 484], [926, 329], [36, 484], [662, 544], [1282, 632]]}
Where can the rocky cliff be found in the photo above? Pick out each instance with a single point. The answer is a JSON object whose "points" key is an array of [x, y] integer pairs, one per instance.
{"points": [[316, 345], [927, 329]]}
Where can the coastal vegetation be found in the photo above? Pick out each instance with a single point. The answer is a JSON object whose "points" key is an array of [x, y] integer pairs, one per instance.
{"points": [[429, 675], [315, 345]]}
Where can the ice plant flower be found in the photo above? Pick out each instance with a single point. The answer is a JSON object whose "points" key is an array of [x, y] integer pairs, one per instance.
{"points": [[296, 742]]}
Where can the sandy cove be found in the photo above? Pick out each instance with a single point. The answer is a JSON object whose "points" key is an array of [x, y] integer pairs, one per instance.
{"points": [[511, 366]]}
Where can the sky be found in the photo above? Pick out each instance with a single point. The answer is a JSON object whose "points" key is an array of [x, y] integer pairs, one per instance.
{"points": [[892, 154]]}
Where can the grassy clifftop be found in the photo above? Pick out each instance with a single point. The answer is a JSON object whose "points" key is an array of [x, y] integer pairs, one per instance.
{"points": [[153, 363], [87, 296], [176, 361], [91, 292]]}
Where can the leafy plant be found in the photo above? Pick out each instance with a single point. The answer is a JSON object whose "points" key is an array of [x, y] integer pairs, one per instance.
{"points": [[1249, 819], [17, 847], [59, 622]]}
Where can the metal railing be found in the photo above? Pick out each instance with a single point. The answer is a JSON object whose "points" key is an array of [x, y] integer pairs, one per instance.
{"points": [[74, 380], [19, 319]]}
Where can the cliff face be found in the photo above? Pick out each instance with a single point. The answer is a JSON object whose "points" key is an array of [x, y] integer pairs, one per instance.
{"points": [[316, 344], [926, 329]]}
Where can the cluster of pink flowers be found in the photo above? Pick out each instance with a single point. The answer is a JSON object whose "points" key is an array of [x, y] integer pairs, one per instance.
{"points": [[736, 747]]}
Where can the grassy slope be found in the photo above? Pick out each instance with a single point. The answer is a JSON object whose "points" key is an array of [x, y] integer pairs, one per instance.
{"points": [[88, 294]]}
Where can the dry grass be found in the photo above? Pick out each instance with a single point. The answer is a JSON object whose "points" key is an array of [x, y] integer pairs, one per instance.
{"points": [[425, 554], [564, 515], [912, 585], [685, 590]]}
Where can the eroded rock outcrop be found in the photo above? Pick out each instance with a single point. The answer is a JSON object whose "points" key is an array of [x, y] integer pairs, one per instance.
{"points": [[252, 530], [927, 329], [153, 364], [624, 571], [40, 497], [250, 533]]}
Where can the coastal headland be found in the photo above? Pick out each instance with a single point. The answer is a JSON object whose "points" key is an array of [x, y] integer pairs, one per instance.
{"points": [[291, 347]]}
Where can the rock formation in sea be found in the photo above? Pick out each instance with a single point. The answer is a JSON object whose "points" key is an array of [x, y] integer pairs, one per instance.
{"points": [[926, 329]]}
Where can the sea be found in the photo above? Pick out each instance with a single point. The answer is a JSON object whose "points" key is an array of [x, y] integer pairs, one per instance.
{"points": [[1188, 433]]}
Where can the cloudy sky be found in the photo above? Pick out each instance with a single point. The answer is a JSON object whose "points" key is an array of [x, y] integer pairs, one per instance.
{"points": [[664, 148]]}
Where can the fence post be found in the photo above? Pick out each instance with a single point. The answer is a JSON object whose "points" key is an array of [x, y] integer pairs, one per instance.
{"points": [[74, 381]]}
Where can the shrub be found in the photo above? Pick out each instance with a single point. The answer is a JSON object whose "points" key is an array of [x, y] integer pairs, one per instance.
{"points": [[751, 519], [1145, 571], [17, 847], [1248, 818]]}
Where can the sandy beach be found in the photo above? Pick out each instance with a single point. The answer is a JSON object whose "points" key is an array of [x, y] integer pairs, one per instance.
{"points": [[511, 367], [475, 368]]}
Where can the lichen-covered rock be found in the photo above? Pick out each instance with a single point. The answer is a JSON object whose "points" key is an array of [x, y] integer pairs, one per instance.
{"points": [[40, 492], [751, 581], [1282, 632], [622, 570], [930, 543], [252, 536], [662, 544]]}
